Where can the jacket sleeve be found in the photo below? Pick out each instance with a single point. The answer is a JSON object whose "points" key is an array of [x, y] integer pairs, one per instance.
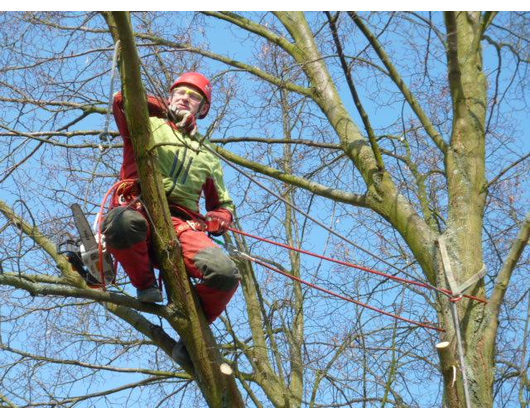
{"points": [[216, 195], [156, 108]]}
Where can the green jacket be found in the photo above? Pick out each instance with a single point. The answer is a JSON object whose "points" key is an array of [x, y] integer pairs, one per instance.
{"points": [[188, 169]]}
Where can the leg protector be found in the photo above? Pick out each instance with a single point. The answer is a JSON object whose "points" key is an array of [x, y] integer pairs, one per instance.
{"points": [[127, 239], [124, 227]]}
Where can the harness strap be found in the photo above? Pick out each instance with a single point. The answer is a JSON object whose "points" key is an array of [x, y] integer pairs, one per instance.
{"points": [[190, 225]]}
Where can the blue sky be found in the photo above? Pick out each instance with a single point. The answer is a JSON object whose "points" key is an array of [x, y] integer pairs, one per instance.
{"points": [[222, 43]]}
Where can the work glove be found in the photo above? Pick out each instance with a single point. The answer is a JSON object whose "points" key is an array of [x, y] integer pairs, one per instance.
{"points": [[218, 221], [184, 120]]}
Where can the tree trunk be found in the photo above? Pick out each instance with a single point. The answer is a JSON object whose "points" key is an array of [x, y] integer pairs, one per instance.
{"points": [[466, 179], [219, 389], [465, 173]]}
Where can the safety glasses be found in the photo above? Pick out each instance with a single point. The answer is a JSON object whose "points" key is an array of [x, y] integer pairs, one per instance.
{"points": [[192, 95]]}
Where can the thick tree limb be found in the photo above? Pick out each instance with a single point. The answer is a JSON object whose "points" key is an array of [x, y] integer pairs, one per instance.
{"points": [[232, 63], [314, 187], [152, 372], [70, 276], [356, 99], [218, 389], [46, 289]]}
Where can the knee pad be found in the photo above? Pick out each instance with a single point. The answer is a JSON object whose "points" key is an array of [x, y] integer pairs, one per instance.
{"points": [[219, 271], [124, 227]]}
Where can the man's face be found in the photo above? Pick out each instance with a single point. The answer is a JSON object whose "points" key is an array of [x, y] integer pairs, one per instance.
{"points": [[187, 98]]}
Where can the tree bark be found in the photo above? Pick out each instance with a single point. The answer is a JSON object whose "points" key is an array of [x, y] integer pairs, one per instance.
{"points": [[219, 389], [466, 181]]}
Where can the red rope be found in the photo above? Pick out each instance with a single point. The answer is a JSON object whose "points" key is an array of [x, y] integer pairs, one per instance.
{"points": [[347, 299], [358, 267], [270, 267]]}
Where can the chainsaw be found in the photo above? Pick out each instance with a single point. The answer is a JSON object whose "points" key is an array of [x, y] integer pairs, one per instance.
{"points": [[84, 254]]}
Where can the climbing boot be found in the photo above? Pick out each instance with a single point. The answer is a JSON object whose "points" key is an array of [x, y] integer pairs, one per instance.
{"points": [[180, 354], [150, 295]]}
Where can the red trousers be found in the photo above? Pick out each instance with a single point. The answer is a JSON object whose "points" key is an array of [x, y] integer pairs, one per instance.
{"points": [[204, 260]]}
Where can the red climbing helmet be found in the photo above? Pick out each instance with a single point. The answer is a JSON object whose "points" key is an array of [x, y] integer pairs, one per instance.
{"points": [[200, 82]]}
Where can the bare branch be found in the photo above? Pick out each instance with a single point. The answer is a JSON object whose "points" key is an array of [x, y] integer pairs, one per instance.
{"points": [[400, 83], [510, 263]]}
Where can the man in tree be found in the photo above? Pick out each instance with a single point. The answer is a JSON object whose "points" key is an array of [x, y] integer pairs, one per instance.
{"points": [[188, 170]]}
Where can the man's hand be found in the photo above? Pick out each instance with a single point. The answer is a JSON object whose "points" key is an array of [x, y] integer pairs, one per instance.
{"points": [[184, 120], [218, 221]]}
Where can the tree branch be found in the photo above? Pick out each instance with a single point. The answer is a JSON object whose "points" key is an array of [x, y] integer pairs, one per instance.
{"points": [[218, 389], [309, 143], [454, 69], [504, 276], [400, 83], [253, 27], [486, 21], [355, 95], [163, 374], [97, 295], [505, 170], [230, 62], [314, 187], [70, 276]]}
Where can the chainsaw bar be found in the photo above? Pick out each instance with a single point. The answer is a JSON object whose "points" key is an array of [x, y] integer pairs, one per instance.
{"points": [[91, 247], [83, 227]]}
